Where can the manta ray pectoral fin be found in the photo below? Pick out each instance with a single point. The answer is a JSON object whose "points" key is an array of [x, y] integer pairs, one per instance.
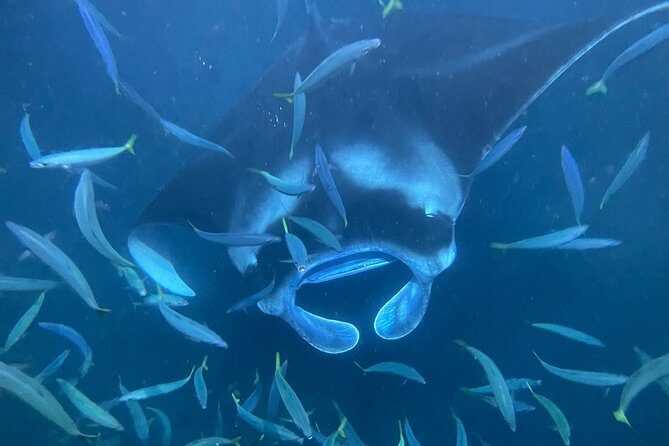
{"points": [[327, 335], [404, 311]]}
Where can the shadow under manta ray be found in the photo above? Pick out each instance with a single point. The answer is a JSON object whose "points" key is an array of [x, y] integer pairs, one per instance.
{"points": [[400, 131]]}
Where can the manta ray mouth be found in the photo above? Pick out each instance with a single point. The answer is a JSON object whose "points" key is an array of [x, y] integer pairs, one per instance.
{"points": [[397, 317]]}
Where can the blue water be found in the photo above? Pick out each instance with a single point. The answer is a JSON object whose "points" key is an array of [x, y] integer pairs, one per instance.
{"points": [[193, 61]]}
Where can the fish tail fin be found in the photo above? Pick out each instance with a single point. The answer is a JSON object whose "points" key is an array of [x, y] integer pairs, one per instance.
{"points": [[285, 225], [277, 361], [291, 153], [130, 145], [496, 245], [360, 367], [399, 4], [102, 312], [460, 343], [345, 222], [204, 363], [467, 391], [235, 440], [289, 97], [235, 398], [254, 170], [601, 204], [597, 87], [620, 417]]}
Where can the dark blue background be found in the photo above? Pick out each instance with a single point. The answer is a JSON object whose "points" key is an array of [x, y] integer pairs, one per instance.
{"points": [[193, 61]]}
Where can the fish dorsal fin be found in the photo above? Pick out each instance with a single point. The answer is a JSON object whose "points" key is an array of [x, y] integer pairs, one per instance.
{"points": [[403, 312], [327, 335]]}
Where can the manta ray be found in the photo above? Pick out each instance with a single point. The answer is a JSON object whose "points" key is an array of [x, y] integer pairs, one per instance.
{"points": [[403, 129]]}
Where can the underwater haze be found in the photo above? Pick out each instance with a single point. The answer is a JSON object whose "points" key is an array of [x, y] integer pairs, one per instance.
{"points": [[360, 222]]}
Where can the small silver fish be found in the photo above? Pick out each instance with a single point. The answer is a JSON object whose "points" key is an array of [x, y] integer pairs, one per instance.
{"points": [[83, 157]]}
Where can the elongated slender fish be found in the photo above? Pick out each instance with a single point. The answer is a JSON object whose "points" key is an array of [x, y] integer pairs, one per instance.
{"points": [[164, 423], [34, 394], [57, 260], [496, 380], [498, 151], [411, 437], [193, 330], [86, 215], [572, 177], [394, 368], [552, 240], [328, 182], [291, 401], [268, 428], [214, 441], [53, 366], [253, 399], [133, 280], [273, 398], [297, 250], [139, 101], [87, 407], [23, 323], [74, 337], [645, 358], [570, 333], [344, 57], [317, 230], [157, 267], [171, 300], [156, 390], [513, 384], [641, 46], [345, 268], [281, 7], [284, 186], [254, 298], [28, 138], [83, 157], [97, 16], [99, 38], [648, 373], [299, 113], [585, 377], [584, 243], [139, 421], [218, 422], [8, 283], [184, 135], [461, 434], [237, 238], [518, 406], [631, 164], [401, 442], [561, 425], [201, 392]]}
